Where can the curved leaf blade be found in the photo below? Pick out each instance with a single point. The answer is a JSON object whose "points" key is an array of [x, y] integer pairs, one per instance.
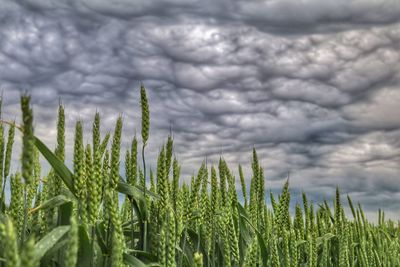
{"points": [[51, 203], [50, 240], [58, 166], [133, 261]]}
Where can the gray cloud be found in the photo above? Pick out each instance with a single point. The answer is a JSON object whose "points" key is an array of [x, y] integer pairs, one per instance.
{"points": [[313, 86], [277, 13]]}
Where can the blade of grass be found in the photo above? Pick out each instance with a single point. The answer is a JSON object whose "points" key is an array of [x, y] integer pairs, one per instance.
{"points": [[49, 241]]}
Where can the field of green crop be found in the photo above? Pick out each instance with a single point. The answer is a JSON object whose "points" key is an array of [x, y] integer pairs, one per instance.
{"points": [[73, 217]]}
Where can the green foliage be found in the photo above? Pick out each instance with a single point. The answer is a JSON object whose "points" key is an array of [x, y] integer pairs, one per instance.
{"points": [[27, 140], [10, 142], [145, 115], [76, 219], [8, 243]]}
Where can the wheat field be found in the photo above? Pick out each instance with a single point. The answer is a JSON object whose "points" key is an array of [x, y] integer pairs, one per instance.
{"points": [[74, 217]]}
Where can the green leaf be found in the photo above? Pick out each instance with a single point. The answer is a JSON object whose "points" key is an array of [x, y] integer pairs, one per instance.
{"points": [[141, 188], [300, 242], [50, 240], [65, 213], [328, 236], [129, 190], [85, 249], [133, 261], [67, 176], [48, 257], [325, 237], [143, 255], [244, 231], [52, 203], [59, 167], [261, 243], [101, 233], [263, 249]]}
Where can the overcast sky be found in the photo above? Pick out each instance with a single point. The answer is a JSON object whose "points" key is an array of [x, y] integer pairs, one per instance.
{"points": [[313, 85]]}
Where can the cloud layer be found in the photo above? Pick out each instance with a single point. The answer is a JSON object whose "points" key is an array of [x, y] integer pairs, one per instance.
{"points": [[314, 86]]}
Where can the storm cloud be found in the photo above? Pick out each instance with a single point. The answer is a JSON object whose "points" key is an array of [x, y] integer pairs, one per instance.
{"points": [[314, 86]]}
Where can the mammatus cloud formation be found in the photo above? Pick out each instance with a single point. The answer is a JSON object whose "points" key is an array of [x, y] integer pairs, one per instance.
{"points": [[313, 85]]}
